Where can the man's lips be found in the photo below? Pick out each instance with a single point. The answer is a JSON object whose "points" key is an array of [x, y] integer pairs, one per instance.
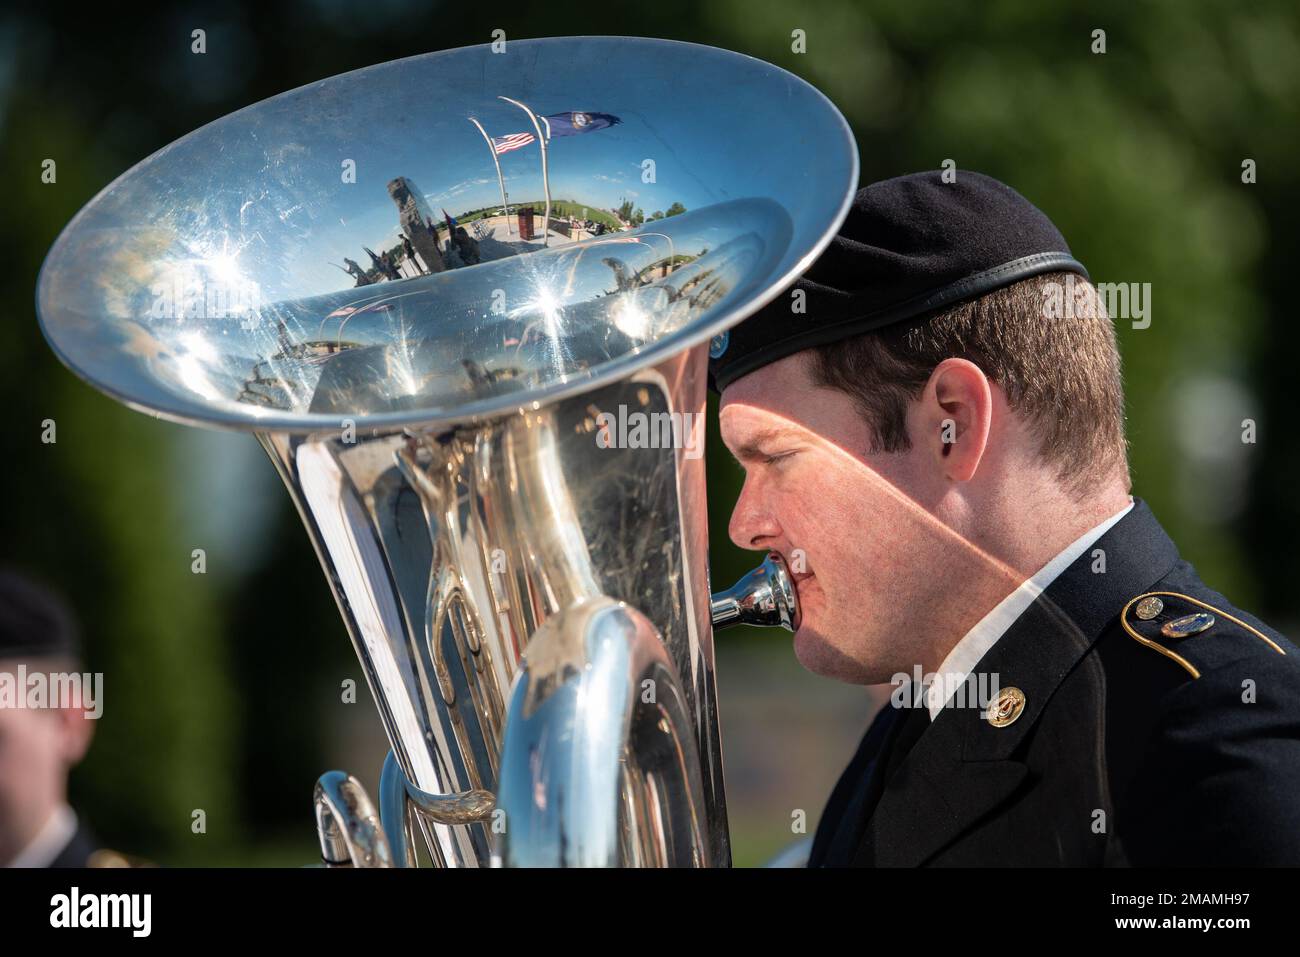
{"points": [[805, 589]]}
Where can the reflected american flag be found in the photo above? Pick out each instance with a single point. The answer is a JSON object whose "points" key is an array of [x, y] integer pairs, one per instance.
{"points": [[515, 141]]}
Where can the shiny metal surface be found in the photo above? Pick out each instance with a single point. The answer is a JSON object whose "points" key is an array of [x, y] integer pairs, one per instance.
{"points": [[347, 825], [406, 812], [210, 282], [450, 551], [764, 596], [442, 419], [599, 766], [398, 818]]}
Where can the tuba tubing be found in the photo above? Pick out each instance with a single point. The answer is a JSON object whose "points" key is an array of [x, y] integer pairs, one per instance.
{"points": [[493, 435]]}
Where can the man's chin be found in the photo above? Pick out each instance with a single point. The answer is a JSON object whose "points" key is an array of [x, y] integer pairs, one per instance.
{"points": [[817, 655]]}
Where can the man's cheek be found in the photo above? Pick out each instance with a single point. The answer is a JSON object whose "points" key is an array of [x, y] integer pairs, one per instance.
{"points": [[833, 506]]}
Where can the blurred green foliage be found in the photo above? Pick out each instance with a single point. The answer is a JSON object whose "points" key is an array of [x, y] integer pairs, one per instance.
{"points": [[221, 685]]}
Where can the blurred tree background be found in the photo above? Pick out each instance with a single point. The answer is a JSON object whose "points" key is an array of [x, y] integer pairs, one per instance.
{"points": [[222, 689]]}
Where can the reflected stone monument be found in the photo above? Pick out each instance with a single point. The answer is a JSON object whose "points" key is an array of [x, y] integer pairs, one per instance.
{"points": [[415, 217]]}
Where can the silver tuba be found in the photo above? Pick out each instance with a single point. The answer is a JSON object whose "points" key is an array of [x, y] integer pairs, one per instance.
{"points": [[498, 456]]}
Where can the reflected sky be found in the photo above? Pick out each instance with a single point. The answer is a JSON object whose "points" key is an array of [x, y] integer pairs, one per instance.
{"points": [[229, 275]]}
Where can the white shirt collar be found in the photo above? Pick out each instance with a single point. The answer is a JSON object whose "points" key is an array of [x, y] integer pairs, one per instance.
{"points": [[975, 644], [49, 841]]}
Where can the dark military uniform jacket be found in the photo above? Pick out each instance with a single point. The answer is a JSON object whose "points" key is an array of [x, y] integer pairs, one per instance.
{"points": [[1159, 726], [84, 850], [80, 849]]}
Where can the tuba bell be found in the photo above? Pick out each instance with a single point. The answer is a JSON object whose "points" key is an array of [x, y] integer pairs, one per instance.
{"points": [[491, 423]]}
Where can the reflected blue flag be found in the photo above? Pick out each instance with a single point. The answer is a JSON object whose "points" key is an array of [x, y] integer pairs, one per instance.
{"points": [[576, 121]]}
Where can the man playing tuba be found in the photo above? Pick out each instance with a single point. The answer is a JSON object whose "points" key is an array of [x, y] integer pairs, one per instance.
{"points": [[942, 461]]}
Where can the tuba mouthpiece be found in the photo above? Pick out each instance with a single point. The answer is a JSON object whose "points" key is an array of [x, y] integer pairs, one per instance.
{"points": [[764, 596], [485, 405]]}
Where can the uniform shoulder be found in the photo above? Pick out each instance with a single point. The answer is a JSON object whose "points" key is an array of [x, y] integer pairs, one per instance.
{"points": [[1220, 762], [1200, 631]]}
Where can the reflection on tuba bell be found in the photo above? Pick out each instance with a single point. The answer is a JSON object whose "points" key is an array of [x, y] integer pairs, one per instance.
{"points": [[498, 456]]}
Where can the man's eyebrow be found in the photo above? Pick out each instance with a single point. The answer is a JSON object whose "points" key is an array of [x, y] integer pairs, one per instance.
{"points": [[750, 448]]}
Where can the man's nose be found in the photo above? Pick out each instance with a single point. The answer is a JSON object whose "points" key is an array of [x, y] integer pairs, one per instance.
{"points": [[752, 525]]}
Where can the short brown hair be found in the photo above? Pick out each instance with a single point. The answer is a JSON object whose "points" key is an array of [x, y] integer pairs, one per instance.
{"points": [[1062, 374]]}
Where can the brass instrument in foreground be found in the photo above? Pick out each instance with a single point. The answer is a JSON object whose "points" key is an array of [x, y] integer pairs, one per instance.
{"points": [[494, 431]]}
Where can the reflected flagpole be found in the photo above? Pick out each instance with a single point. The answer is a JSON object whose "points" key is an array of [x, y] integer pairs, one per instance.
{"points": [[672, 252], [546, 181], [492, 148]]}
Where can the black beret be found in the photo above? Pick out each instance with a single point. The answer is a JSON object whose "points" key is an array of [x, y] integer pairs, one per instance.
{"points": [[909, 247], [34, 622]]}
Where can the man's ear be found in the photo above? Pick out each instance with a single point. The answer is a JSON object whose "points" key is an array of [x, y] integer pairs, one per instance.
{"points": [[957, 413]]}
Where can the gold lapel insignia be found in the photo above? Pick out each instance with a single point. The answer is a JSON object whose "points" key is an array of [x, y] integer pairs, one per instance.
{"points": [[1007, 708]]}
